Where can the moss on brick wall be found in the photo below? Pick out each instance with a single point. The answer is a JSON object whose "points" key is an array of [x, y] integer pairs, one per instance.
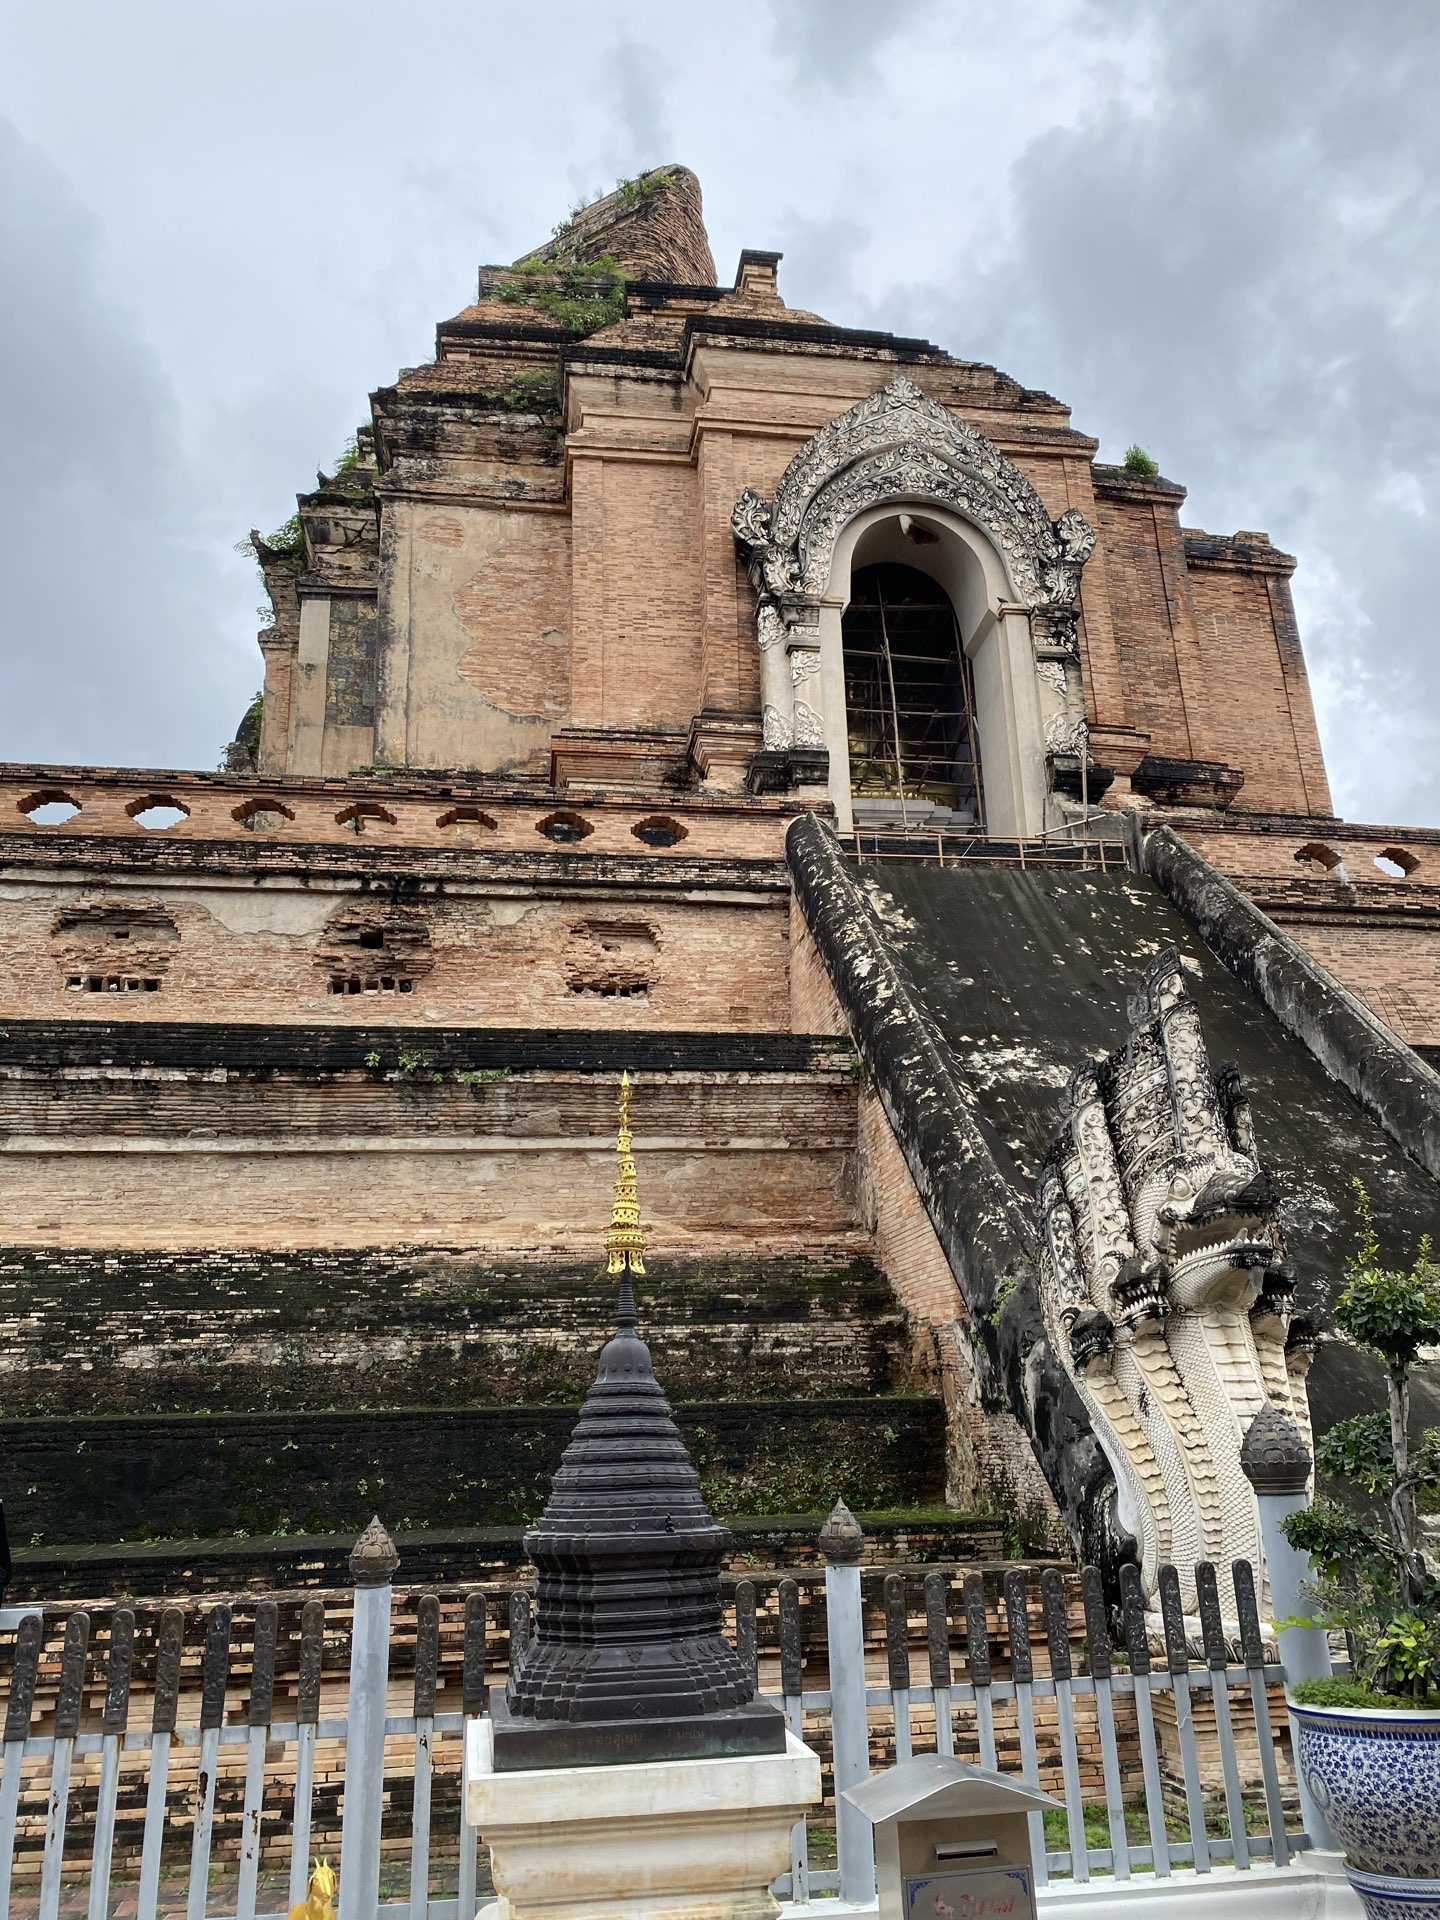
{"points": [[314, 1331], [92, 1480]]}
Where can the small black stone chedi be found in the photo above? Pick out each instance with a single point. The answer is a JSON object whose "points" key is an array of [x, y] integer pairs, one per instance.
{"points": [[628, 1661]]}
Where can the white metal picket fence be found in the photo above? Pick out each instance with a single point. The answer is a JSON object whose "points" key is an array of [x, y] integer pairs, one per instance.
{"points": [[141, 1792]]}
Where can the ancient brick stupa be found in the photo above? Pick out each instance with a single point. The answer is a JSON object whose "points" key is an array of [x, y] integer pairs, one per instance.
{"points": [[628, 1662]]}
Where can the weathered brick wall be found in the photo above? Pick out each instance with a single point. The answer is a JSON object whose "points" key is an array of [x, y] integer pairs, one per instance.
{"points": [[813, 1005], [487, 642], [1209, 653], [298, 952], [239, 1330], [171, 1158], [298, 815], [637, 611], [656, 229], [1394, 970], [730, 657], [185, 1475], [1261, 717], [1134, 533], [475, 628], [905, 1242], [492, 626], [1378, 932], [1284, 850], [989, 1460]]}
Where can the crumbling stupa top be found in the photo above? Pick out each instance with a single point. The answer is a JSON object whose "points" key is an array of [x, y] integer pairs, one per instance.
{"points": [[653, 225]]}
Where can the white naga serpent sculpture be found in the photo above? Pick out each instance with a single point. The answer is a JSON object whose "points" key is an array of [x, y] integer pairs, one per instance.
{"points": [[1164, 1286]]}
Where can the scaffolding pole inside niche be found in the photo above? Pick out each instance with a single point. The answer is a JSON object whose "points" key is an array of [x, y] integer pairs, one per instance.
{"points": [[909, 699]]}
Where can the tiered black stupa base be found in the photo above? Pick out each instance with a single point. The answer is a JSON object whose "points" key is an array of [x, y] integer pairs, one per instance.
{"points": [[628, 1662], [756, 1727]]}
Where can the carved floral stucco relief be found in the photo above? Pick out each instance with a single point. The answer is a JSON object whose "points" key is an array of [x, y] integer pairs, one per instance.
{"points": [[899, 446]]}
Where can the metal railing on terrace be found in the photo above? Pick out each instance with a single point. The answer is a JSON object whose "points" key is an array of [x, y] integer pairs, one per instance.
{"points": [[948, 847]]}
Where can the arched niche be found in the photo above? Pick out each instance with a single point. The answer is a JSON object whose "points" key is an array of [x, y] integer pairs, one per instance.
{"points": [[909, 701], [1011, 572], [970, 572]]}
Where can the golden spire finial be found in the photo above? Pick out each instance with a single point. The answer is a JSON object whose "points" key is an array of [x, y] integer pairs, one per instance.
{"points": [[624, 1243]]}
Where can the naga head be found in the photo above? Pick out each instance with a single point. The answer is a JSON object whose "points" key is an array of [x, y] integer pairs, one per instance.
{"points": [[1164, 1283], [1152, 1196]]}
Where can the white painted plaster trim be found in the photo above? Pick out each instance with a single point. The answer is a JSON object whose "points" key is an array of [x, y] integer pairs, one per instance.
{"points": [[312, 662], [314, 650]]}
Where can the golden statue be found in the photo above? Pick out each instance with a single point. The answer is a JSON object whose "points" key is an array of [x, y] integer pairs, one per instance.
{"points": [[624, 1243], [319, 1903]]}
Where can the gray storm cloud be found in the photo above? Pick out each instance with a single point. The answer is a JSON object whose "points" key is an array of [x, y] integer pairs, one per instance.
{"points": [[1242, 271], [110, 605]]}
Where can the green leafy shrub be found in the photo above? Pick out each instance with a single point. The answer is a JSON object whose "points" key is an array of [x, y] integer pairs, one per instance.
{"points": [[580, 295], [1373, 1579], [630, 192], [1344, 1693], [1137, 460], [247, 733], [287, 542], [537, 391]]}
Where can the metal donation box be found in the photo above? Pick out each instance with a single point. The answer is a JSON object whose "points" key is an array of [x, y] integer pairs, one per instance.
{"points": [[952, 1842]]}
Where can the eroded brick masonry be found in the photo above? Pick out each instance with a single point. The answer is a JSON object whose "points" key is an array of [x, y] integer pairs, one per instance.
{"points": [[307, 1067]]}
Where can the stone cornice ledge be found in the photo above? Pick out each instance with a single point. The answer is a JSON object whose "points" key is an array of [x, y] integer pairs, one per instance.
{"points": [[1356, 1048]]}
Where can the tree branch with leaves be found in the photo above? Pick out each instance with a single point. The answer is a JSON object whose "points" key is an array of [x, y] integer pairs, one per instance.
{"points": [[1374, 1578]]}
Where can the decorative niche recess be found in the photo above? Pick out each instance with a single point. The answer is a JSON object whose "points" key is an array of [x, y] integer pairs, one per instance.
{"points": [[114, 946], [375, 951]]}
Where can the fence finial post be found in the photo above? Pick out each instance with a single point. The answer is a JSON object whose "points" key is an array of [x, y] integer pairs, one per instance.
{"points": [[373, 1560], [841, 1543], [1276, 1462]]}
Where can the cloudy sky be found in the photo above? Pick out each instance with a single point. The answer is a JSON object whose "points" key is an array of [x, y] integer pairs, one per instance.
{"points": [[1212, 226]]}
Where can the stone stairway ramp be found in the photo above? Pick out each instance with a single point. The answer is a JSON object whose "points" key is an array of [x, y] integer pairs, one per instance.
{"points": [[973, 993]]}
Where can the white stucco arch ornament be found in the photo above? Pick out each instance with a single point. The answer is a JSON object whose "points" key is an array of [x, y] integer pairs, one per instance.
{"points": [[901, 448]]}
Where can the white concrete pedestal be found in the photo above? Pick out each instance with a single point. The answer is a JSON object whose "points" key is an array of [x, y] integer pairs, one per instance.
{"points": [[673, 1840]]}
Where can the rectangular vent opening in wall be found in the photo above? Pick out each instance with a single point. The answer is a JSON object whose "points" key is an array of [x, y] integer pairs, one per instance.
{"points": [[380, 983], [110, 983]]}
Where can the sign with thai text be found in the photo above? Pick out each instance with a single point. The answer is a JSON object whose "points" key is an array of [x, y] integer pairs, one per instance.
{"points": [[974, 1893]]}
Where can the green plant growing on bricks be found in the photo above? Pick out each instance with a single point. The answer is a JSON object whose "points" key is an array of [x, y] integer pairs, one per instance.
{"points": [[581, 296], [411, 1065], [1137, 460], [1374, 1580], [535, 391], [288, 541], [630, 190]]}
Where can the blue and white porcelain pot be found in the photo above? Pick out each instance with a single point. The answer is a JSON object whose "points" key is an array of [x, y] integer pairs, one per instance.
{"points": [[1376, 1778], [1385, 1896]]}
